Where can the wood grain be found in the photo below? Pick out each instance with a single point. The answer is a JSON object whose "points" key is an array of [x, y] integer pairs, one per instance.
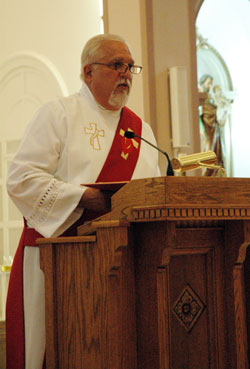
{"points": [[162, 281]]}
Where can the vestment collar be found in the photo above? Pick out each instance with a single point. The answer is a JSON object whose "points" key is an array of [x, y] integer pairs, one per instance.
{"points": [[85, 91]]}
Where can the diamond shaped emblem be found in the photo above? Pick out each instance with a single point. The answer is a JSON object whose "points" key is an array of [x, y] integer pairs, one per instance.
{"points": [[188, 308]]}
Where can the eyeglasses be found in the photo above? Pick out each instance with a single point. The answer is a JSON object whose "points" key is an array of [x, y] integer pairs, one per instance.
{"points": [[122, 67]]}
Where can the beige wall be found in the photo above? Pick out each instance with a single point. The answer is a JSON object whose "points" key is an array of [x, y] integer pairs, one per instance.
{"points": [[54, 29], [123, 18], [163, 35], [174, 45]]}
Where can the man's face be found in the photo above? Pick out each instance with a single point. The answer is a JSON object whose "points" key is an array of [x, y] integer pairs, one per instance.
{"points": [[110, 87]]}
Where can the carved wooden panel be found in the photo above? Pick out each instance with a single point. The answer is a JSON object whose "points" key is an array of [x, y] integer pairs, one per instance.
{"points": [[194, 307]]}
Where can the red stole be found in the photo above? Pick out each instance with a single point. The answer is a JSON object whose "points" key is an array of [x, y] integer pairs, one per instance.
{"points": [[124, 152], [119, 166]]}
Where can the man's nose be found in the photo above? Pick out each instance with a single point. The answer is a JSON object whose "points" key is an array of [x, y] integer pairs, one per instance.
{"points": [[126, 73]]}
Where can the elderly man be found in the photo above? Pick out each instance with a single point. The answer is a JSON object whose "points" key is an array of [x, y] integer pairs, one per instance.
{"points": [[70, 141]]}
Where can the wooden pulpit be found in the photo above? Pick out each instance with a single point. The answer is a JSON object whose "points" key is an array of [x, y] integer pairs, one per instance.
{"points": [[160, 282]]}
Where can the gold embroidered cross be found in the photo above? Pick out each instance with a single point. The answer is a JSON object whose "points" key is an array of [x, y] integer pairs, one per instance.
{"points": [[127, 144], [95, 134]]}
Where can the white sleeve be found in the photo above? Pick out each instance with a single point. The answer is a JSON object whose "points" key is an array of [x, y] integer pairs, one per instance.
{"points": [[149, 135], [147, 164], [48, 204]]}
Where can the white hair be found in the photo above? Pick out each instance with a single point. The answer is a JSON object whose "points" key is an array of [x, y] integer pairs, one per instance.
{"points": [[92, 50]]}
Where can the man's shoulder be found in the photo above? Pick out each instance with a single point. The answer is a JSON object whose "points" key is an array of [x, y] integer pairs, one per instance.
{"points": [[130, 113], [68, 99], [62, 102], [58, 100]]}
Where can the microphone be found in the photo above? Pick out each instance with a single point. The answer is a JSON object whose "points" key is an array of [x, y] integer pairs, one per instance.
{"points": [[130, 134]]}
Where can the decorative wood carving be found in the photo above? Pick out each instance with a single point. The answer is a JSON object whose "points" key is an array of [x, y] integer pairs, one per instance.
{"points": [[188, 308], [175, 212]]}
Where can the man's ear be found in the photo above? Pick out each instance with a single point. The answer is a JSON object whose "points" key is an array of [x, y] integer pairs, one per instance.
{"points": [[87, 72]]}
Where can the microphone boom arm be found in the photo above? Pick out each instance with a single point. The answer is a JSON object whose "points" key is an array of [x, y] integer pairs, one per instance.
{"points": [[170, 171]]}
